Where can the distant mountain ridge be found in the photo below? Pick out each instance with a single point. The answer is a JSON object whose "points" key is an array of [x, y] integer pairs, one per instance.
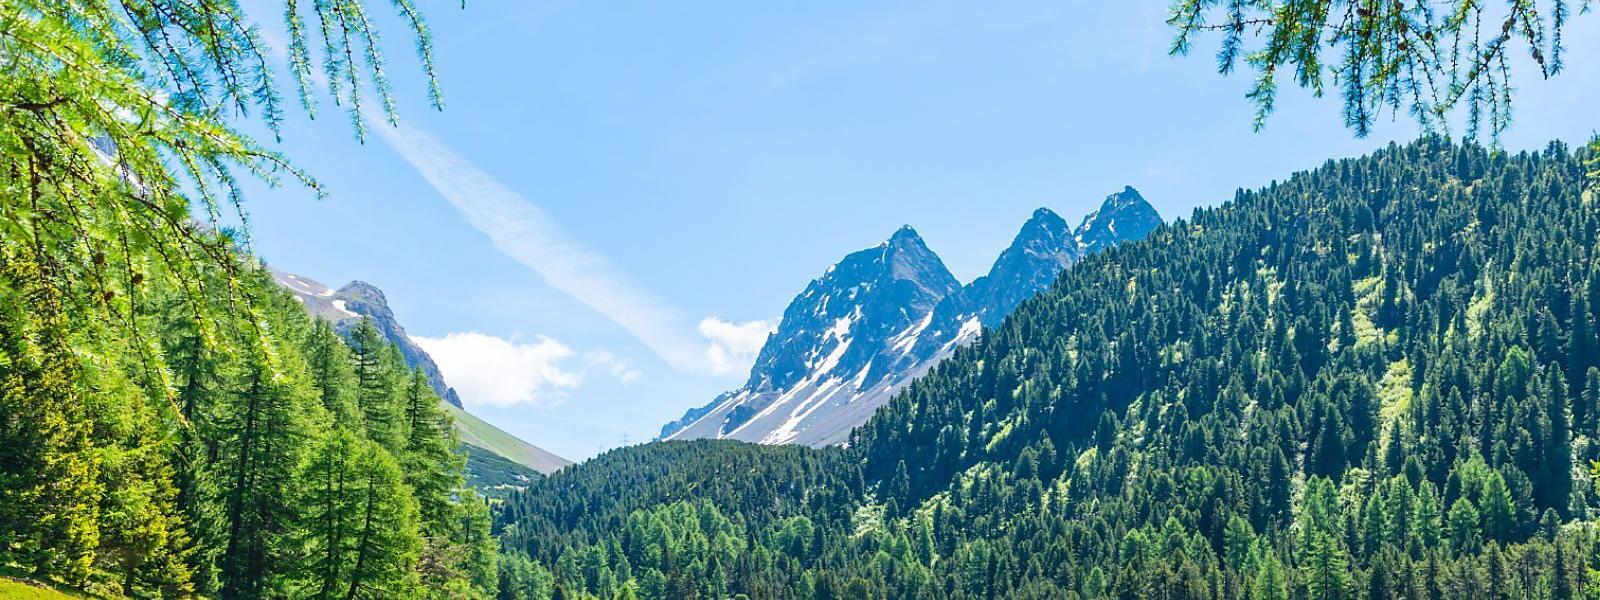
{"points": [[346, 306], [883, 316]]}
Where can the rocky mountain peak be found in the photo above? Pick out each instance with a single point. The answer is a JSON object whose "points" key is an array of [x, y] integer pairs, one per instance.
{"points": [[883, 316], [1043, 215], [1043, 248], [910, 260], [364, 291], [904, 235], [357, 300], [842, 316], [1124, 215], [1043, 233]]}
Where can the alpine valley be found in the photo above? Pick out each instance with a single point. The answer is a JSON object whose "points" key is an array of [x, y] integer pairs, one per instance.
{"points": [[883, 316], [1376, 379]]}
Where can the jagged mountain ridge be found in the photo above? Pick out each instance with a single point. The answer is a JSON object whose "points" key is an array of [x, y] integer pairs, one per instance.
{"points": [[346, 306], [883, 316], [1043, 248]]}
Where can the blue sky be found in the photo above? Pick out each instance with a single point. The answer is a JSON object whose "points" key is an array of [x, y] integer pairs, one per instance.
{"points": [[621, 197]]}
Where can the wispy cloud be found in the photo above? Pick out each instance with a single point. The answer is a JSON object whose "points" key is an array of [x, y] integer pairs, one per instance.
{"points": [[521, 230], [611, 364]]}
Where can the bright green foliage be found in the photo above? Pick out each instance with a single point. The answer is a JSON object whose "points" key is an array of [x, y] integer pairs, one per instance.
{"points": [[357, 529], [47, 509], [110, 110], [1269, 582], [1423, 57], [1327, 576], [154, 399], [1350, 384], [378, 378], [203, 478], [523, 579], [159, 396]]}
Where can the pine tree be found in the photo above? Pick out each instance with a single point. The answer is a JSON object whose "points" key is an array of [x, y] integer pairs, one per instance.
{"points": [[1499, 514], [48, 517], [330, 364], [261, 439], [143, 539], [1554, 489], [1586, 413], [1327, 576], [432, 467], [198, 372], [358, 529], [1464, 526], [377, 374], [1270, 583], [482, 556]]}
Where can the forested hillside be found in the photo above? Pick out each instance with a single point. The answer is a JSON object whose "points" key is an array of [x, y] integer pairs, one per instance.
{"points": [[1379, 378], [231, 447], [172, 424]]}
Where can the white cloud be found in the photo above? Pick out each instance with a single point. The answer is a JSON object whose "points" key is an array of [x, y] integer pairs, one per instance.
{"points": [[734, 345], [487, 370], [521, 230]]}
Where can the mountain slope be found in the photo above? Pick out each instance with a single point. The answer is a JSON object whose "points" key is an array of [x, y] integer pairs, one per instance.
{"points": [[346, 307], [882, 317], [1377, 379], [481, 434]]}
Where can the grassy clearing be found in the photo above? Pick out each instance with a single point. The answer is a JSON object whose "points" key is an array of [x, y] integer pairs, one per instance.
{"points": [[13, 589]]}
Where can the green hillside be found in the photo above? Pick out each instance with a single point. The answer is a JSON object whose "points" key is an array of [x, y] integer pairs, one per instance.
{"points": [[495, 476], [477, 432], [1376, 379]]}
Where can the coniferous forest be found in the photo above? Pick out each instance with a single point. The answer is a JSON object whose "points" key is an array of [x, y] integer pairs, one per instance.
{"points": [[1379, 378], [1376, 379], [297, 465]]}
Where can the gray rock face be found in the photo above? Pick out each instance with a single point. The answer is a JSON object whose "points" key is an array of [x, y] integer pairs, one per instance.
{"points": [[884, 316], [346, 307]]}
